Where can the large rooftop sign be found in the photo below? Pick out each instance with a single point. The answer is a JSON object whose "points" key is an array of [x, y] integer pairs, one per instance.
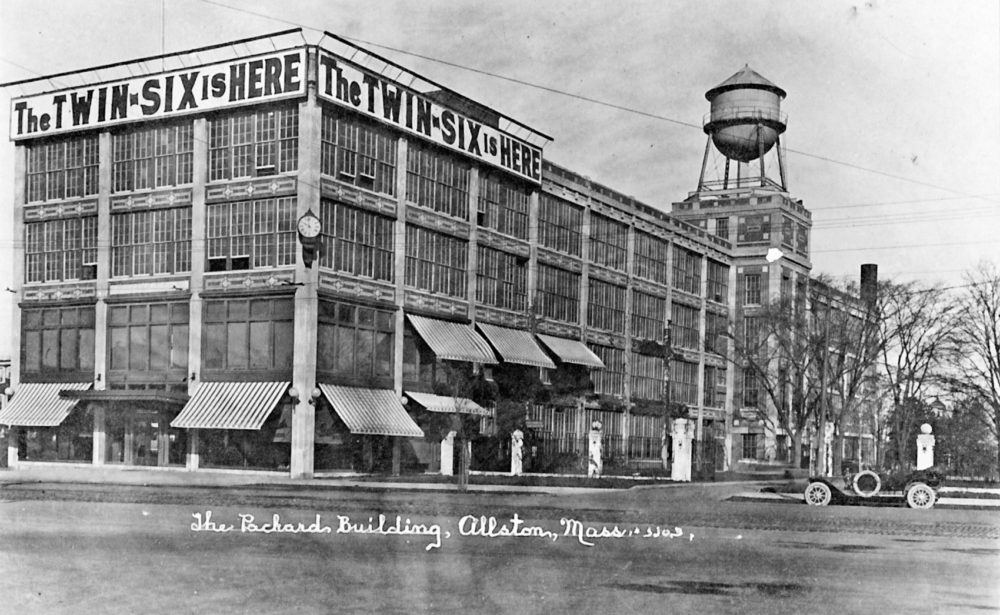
{"points": [[390, 102], [252, 80]]}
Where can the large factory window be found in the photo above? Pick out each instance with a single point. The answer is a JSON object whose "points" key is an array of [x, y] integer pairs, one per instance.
{"points": [[715, 387], [57, 341], [607, 306], [559, 224], [153, 157], [56, 250], [151, 242], [718, 282], [651, 258], [251, 234], [436, 262], [558, 294], [358, 153], [647, 377], [608, 242], [611, 379], [437, 180], [62, 169], [356, 241], [248, 335], [649, 314], [684, 382], [502, 279], [151, 338], [503, 206], [355, 343], [716, 327], [687, 270], [253, 143], [684, 326]]}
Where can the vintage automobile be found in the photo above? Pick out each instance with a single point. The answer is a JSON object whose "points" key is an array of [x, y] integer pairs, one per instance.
{"points": [[919, 488]]}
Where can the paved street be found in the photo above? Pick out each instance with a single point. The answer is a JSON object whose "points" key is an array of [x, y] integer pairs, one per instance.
{"points": [[134, 548]]}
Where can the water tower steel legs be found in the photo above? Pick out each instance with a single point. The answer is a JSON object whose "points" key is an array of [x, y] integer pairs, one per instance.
{"points": [[704, 165], [781, 162]]}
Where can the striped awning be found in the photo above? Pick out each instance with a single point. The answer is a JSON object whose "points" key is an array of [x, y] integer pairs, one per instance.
{"points": [[516, 346], [38, 404], [571, 351], [230, 405], [371, 411], [440, 403], [453, 341]]}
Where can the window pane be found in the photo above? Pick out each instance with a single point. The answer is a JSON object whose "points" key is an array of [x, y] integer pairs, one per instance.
{"points": [[159, 350], [284, 347], [138, 348], [50, 349], [260, 347], [179, 346], [236, 346], [119, 348], [87, 349], [325, 350], [68, 349], [32, 351], [213, 346]]}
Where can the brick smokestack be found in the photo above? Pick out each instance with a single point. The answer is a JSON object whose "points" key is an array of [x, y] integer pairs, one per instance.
{"points": [[869, 284]]}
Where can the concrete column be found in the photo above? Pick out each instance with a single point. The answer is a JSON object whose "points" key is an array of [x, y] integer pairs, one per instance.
{"points": [[192, 459], [702, 324], [399, 274], [197, 280], [399, 263], [12, 437], [448, 455], [473, 255], [100, 434], [101, 358], [532, 290], [16, 265], [306, 297]]}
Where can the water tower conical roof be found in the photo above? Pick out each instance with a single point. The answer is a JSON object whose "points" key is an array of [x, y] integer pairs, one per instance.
{"points": [[744, 78]]}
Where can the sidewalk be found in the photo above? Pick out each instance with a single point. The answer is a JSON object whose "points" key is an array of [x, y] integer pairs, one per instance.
{"points": [[68, 474]]}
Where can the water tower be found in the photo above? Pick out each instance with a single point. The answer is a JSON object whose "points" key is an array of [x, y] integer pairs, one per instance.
{"points": [[745, 124]]}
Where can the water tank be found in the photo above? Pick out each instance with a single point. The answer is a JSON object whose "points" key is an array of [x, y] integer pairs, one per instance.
{"points": [[746, 118]]}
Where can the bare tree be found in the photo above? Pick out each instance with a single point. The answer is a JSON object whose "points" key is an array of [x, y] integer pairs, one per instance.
{"points": [[975, 355], [916, 327], [773, 351], [853, 347]]}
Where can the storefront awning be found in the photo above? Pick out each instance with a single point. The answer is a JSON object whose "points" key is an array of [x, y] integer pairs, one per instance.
{"points": [[453, 341], [440, 403], [230, 405], [38, 404], [571, 351], [516, 346], [371, 411]]}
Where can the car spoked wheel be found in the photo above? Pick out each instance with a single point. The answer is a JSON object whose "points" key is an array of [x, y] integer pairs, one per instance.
{"points": [[920, 495], [818, 494], [867, 483]]}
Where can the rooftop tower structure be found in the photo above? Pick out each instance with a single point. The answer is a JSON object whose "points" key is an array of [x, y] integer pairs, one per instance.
{"points": [[744, 124]]}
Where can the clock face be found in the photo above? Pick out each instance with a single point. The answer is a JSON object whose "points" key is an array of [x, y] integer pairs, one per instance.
{"points": [[309, 226]]}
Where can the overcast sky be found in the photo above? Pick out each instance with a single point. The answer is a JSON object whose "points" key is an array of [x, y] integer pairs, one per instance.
{"points": [[893, 106]]}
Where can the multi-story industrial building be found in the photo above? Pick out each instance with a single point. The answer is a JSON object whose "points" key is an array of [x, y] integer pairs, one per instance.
{"points": [[300, 256]]}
